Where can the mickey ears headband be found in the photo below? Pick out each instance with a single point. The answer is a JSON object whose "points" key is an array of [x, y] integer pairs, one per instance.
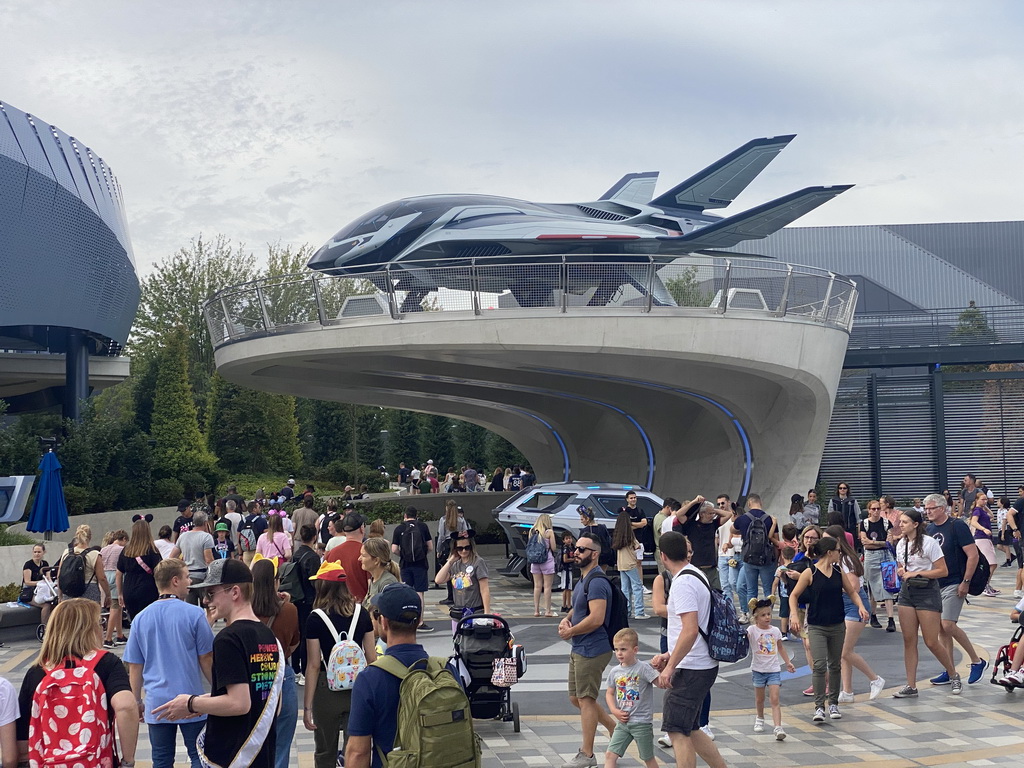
{"points": [[147, 518]]}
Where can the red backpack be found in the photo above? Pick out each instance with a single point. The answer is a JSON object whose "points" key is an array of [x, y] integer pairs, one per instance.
{"points": [[70, 725]]}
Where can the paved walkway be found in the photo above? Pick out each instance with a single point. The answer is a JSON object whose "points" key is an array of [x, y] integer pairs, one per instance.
{"points": [[984, 726]]}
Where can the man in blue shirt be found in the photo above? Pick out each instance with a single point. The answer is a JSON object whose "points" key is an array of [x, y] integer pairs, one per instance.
{"points": [[591, 649], [169, 651]]}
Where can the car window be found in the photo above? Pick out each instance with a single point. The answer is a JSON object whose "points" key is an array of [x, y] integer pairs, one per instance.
{"points": [[545, 502], [608, 506]]}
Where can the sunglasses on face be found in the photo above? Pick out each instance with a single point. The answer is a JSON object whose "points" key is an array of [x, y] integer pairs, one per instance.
{"points": [[585, 549], [462, 549]]}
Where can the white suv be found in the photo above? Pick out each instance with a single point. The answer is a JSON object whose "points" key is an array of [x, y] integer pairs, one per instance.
{"points": [[517, 515]]}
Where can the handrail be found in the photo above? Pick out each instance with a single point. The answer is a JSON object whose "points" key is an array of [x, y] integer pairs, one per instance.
{"points": [[561, 284]]}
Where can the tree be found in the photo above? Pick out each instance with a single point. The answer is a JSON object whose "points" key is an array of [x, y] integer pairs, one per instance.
{"points": [[501, 453], [686, 289], [252, 432], [325, 431], [19, 450], [367, 447], [436, 440], [470, 444], [180, 449], [403, 439]]}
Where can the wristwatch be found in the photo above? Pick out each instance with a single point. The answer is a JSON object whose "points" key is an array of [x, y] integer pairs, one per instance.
{"points": [[966, 581]]}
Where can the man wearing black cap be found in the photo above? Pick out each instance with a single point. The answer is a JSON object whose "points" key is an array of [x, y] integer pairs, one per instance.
{"points": [[248, 670], [373, 722], [183, 522]]}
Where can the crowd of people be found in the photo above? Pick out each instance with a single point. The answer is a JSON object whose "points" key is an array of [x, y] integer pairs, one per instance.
{"points": [[425, 478]]}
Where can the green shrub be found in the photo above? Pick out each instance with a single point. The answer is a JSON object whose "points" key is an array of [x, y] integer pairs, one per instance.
{"points": [[388, 510], [9, 593], [11, 538], [352, 473], [492, 534], [77, 499], [167, 491]]}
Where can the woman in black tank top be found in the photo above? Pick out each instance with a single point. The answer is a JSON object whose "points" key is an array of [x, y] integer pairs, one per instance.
{"points": [[822, 587]]}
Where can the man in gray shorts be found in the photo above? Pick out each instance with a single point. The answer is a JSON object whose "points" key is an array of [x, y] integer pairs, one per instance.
{"points": [[591, 648], [961, 555]]}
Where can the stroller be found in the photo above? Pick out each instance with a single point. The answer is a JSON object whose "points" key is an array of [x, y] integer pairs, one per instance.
{"points": [[1004, 657], [45, 592], [486, 653]]}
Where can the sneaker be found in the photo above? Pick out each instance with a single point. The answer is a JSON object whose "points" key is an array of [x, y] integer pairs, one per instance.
{"points": [[819, 715], [707, 732], [666, 742], [940, 679], [845, 697], [121, 641], [977, 670], [744, 618], [1018, 593], [581, 761], [834, 713], [876, 687], [428, 628], [809, 691], [641, 617], [108, 644], [300, 679], [785, 637], [874, 622], [956, 686], [906, 692], [647, 591], [758, 725], [891, 626], [1015, 679], [446, 601], [780, 735], [989, 592]]}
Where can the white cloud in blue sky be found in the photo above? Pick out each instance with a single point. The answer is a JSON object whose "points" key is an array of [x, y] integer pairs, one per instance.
{"points": [[282, 121]]}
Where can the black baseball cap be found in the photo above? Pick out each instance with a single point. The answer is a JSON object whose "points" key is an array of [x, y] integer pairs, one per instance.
{"points": [[351, 523], [225, 572], [398, 602]]}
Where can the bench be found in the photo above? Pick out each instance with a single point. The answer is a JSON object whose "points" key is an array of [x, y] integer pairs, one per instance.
{"points": [[18, 616]]}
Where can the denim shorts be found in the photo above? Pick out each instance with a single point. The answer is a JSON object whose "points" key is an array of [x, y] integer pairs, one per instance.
{"points": [[764, 679], [852, 614]]}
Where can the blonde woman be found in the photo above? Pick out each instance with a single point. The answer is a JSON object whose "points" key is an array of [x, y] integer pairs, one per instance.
{"points": [[73, 639], [96, 587], [543, 573]]}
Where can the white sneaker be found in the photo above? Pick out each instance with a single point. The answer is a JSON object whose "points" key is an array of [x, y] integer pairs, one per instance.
{"points": [[758, 725], [819, 715], [845, 697], [1018, 593], [665, 741], [780, 735], [876, 687], [1015, 679], [708, 732], [647, 591], [581, 761]]}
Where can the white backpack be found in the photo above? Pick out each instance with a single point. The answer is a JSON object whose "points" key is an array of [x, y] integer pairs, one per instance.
{"points": [[346, 659]]}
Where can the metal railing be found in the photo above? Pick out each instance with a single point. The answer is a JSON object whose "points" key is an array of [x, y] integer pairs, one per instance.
{"points": [[971, 326], [555, 284]]}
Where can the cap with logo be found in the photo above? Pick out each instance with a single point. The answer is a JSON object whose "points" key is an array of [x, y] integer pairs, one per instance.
{"points": [[398, 602], [225, 572]]}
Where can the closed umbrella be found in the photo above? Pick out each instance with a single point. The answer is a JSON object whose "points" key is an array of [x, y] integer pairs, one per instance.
{"points": [[49, 511]]}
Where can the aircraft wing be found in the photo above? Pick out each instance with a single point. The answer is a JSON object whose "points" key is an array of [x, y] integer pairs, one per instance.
{"points": [[760, 221], [722, 181], [633, 188]]}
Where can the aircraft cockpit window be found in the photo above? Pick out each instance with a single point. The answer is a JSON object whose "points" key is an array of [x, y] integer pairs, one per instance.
{"points": [[480, 210], [371, 222]]}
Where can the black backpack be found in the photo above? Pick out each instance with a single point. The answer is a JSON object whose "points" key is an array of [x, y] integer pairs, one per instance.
{"points": [[410, 544], [72, 573], [616, 614], [607, 557], [757, 548]]}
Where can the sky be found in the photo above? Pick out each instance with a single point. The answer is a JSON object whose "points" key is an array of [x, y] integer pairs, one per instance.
{"points": [[280, 122]]}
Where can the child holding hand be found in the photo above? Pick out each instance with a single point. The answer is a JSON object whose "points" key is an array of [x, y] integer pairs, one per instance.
{"points": [[630, 701], [765, 668]]}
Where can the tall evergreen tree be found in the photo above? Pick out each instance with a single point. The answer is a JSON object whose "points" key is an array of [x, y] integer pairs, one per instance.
{"points": [[436, 441], [403, 439], [325, 430], [252, 432], [501, 453], [470, 444], [367, 445]]}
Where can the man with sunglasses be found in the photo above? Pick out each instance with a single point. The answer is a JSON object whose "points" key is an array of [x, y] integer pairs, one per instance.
{"points": [[591, 651], [248, 670]]}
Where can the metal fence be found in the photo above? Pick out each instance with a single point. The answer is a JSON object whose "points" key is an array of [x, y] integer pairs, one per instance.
{"points": [[556, 284], [938, 327]]}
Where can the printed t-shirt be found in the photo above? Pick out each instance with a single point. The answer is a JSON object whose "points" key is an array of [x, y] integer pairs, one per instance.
{"points": [[633, 691], [465, 580], [356, 579], [167, 638], [182, 524], [596, 642], [689, 594], [764, 648], [244, 653], [953, 535], [317, 630], [223, 550], [930, 553]]}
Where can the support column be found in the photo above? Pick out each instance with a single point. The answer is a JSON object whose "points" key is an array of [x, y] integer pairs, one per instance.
{"points": [[76, 374]]}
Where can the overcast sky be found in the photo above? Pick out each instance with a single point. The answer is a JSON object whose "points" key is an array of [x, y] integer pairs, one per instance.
{"points": [[283, 121]]}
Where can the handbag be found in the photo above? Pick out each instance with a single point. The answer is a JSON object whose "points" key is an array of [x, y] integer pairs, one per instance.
{"points": [[915, 582], [27, 593], [890, 578], [504, 674]]}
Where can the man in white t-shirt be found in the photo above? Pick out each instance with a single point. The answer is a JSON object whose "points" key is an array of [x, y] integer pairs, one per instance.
{"points": [[687, 670]]}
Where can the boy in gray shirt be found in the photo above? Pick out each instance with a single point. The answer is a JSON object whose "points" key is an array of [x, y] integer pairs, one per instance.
{"points": [[630, 701]]}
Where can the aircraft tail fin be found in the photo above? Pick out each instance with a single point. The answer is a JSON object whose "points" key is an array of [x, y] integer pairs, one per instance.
{"points": [[633, 188], [760, 221], [722, 181]]}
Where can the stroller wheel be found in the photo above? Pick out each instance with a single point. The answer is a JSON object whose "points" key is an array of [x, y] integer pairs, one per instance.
{"points": [[515, 717], [40, 632]]}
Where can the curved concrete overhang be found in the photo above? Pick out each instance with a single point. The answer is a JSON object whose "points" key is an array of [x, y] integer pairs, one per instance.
{"points": [[685, 401]]}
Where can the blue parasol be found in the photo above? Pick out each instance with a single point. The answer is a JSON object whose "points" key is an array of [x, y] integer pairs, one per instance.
{"points": [[49, 512]]}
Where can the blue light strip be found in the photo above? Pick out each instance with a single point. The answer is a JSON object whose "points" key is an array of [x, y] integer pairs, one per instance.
{"points": [[648, 447], [748, 455]]}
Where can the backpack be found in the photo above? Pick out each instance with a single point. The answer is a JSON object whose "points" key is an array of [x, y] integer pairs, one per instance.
{"points": [[435, 726], [411, 544], [70, 724], [607, 557], [295, 575], [346, 659], [616, 614], [979, 580], [247, 534], [727, 640], [756, 545], [537, 549], [72, 579], [443, 550]]}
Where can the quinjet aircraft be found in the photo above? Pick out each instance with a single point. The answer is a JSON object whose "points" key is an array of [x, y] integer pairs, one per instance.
{"points": [[626, 224]]}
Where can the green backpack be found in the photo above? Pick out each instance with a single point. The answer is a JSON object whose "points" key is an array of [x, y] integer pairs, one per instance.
{"points": [[435, 726]]}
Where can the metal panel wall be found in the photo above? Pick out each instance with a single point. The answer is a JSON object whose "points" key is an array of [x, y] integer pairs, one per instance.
{"points": [[848, 449], [906, 429]]}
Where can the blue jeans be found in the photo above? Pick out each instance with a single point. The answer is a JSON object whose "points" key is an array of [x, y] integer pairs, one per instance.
{"points": [[284, 726], [748, 582], [162, 738], [630, 583], [727, 575]]}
